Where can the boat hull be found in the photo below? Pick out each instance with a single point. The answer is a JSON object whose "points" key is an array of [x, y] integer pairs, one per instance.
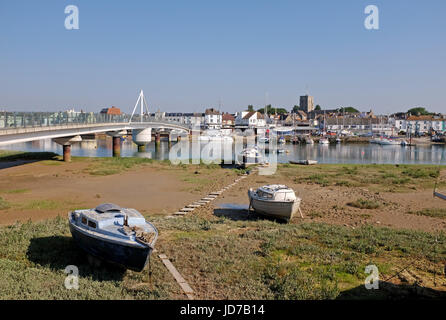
{"points": [[284, 210], [129, 257]]}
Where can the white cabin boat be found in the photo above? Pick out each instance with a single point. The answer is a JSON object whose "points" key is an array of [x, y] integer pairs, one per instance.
{"points": [[324, 141], [278, 201], [250, 156], [386, 141]]}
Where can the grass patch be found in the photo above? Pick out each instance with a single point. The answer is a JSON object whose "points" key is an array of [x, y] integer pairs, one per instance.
{"points": [[402, 178], [364, 204], [110, 166], [220, 258], [319, 179], [434, 212], [4, 204], [16, 191]]}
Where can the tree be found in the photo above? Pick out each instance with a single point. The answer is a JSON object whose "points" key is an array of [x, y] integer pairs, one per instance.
{"points": [[272, 110], [348, 110], [418, 111], [250, 108], [318, 107], [295, 109]]}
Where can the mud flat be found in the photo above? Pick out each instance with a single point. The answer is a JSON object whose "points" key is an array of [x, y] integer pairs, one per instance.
{"points": [[355, 215]]}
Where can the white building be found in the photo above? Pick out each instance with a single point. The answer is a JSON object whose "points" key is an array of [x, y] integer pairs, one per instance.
{"points": [[253, 119], [421, 124], [213, 119]]}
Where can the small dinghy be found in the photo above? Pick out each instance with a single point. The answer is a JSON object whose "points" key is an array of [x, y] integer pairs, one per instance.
{"points": [[275, 200], [117, 235], [304, 162]]}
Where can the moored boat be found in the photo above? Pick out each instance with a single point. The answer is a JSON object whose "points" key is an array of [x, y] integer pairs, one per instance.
{"points": [[388, 141], [324, 141], [304, 162], [250, 156], [263, 140], [117, 235], [278, 201]]}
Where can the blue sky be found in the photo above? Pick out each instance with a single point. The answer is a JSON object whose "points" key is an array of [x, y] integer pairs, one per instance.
{"points": [[186, 55]]}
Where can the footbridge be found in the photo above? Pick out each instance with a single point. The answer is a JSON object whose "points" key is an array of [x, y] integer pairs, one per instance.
{"points": [[66, 128]]}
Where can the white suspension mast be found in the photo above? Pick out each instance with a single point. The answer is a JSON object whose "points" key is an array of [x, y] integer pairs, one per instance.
{"points": [[142, 102]]}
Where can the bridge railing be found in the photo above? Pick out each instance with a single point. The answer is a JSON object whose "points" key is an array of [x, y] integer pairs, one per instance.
{"points": [[12, 120], [16, 120]]}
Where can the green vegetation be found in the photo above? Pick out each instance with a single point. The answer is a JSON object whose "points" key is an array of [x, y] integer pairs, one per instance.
{"points": [[220, 258], [4, 204], [394, 178], [364, 204], [418, 111], [39, 204], [348, 110], [15, 191], [109, 166], [33, 258], [433, 212], [272, 110]]}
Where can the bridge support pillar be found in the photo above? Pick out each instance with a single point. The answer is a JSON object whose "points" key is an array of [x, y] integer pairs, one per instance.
{"points": [[157, 138], [116, 146], [66, 143], [141, 137], [67, 152], [116, 140]]}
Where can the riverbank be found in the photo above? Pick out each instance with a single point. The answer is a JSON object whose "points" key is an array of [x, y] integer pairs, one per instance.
{"points": [[355, 215]]}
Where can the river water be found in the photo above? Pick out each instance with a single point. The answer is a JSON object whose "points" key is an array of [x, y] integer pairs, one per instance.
{"points": [[339, 153]]}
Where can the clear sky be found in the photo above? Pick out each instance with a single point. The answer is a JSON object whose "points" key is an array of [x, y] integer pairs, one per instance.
{"points": [[188, 54]]}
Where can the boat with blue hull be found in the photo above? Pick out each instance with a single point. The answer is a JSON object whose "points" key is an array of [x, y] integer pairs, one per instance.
{"points": [[117, 235]]}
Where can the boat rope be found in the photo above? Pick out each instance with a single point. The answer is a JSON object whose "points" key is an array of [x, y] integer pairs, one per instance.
{"points": [[150, 273]]}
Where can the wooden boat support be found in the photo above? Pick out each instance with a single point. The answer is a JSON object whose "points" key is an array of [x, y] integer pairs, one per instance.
{"points": [[179, 279]]}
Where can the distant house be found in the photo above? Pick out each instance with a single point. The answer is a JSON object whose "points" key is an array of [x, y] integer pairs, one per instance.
{"points": [[111, 111], [212, 118], [250, 119], [422, 124], [228, 120]]}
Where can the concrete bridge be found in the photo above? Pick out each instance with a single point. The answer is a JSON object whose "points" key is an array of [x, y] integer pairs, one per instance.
{"points": [[71, 131], [66, 128]]}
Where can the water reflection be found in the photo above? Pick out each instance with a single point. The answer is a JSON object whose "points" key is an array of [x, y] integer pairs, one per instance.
{"points": [[339, 153]]}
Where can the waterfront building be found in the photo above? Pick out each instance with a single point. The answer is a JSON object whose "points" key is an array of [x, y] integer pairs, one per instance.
{"points": [[111, 111], [252, 119], [378, 126], [212, 119], [228, 120], [421, 124]]}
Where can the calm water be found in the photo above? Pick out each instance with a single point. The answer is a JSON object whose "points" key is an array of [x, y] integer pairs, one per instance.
{"points": [[340, 153]]}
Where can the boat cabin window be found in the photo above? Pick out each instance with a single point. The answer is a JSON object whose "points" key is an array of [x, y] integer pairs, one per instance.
{"points": [[264, 195], [84, 220], [92, 224]]}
